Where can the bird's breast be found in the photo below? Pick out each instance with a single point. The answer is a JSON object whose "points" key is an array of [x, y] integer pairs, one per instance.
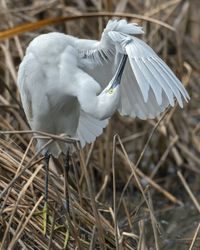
{"points": [[56, 114]]}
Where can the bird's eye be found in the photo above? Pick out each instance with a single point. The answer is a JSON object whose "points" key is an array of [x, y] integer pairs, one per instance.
{"points": [[110, 91]]}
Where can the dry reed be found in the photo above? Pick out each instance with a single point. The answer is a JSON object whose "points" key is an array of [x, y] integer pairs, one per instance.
{"points": [[137, 186]]}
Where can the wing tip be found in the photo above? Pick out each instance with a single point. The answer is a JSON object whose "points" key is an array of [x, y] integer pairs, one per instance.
{"points": [[121, 25]]}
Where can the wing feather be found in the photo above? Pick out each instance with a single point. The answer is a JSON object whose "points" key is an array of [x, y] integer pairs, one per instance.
{"points": [[158, 86], [160, 81], [89, 128], [141, 80], [165, 81], [173, 78], [101, 52], [150, 79], [132, 101], [136, 98], [148, 85]]}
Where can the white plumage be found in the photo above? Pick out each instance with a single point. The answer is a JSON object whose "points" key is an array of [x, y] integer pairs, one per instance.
{"points": [[71, 86]]}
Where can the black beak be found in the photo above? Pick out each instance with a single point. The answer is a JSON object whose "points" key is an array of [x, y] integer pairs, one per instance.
{"points": [[119, 72]]}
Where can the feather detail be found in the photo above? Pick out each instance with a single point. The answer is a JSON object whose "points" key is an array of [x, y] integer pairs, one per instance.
{"points": [[102, 51], [89, 128], [158, 86]]}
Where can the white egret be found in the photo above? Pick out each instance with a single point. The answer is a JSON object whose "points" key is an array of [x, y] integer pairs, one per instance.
{"points": [[61, 79], [73, 86]]}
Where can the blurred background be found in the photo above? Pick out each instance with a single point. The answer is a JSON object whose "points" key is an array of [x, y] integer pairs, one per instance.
{"points": [[138, 185]]}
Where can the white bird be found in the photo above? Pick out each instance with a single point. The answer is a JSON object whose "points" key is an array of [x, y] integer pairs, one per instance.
{"points": [[73, 86]]}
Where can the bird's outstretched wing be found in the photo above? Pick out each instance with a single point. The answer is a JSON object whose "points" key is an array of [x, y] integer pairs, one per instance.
{"points": [[148, 85], [100, 58], [100, 52]]}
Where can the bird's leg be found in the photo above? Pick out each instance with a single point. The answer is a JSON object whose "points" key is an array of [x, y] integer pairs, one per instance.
{"points": [[66, 176], [45, 208]]}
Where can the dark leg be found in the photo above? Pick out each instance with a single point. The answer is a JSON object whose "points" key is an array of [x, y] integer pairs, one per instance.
{"points": [[45, 209], [66, 176]]}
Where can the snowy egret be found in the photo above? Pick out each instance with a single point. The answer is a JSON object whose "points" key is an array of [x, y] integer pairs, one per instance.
{"points": [[72, 86]]}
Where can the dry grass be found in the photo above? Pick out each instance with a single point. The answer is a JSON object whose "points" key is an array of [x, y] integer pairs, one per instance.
{"points": [[138, 189]]}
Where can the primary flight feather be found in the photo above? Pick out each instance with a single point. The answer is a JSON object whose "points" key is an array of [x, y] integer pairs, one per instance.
{"points": [[73, 86]]}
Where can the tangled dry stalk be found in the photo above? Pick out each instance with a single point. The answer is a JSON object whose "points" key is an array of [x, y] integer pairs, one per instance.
{"points": [[137, 186]]}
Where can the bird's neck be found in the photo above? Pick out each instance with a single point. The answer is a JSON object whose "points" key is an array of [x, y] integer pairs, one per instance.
{"points": [[103, 106]]}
